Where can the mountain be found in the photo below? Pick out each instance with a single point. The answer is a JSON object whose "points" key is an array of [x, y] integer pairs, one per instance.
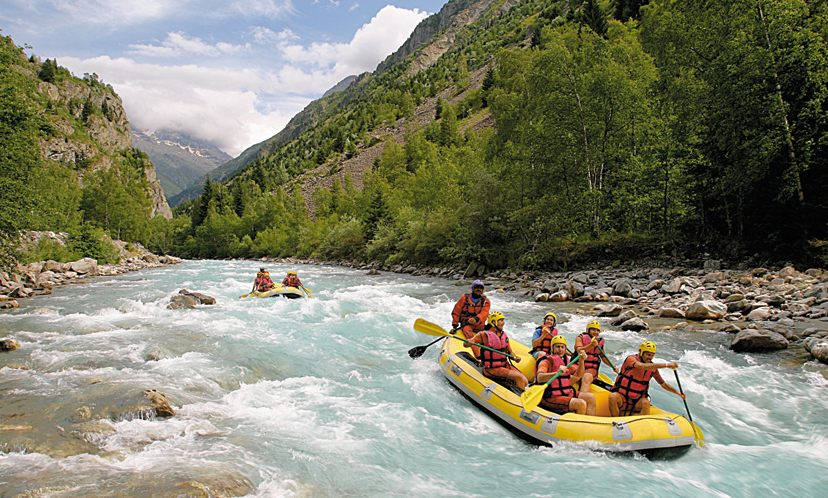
{"points": [[179, 159]]}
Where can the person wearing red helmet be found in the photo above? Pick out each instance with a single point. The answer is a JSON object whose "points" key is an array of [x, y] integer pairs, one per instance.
{"points": [[471, 312]]}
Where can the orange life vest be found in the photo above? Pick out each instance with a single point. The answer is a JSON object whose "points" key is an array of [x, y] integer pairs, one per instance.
{"points": [[633, 383], [562, 386]]}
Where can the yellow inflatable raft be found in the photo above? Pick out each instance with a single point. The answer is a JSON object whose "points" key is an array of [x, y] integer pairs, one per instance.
{"points": [[660, 432], [280, 291]]}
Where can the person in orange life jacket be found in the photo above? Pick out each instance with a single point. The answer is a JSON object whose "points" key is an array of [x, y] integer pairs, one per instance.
{"points": [[588, 344], [263, 282], [292, 280], [629, 394], [560, 396], [470, 313], [542, 340], [495, 364]]}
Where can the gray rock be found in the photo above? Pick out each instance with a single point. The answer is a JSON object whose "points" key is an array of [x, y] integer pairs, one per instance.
{"points": [[671, 313], [820, 351], [151, 258], [730, 328], [734, 297], [714, 277], [759, 314], [84, 266], [542, 298], [581, 278], [182, 301], [622, 287], [758, 340], [608, 309], [674, 287], [559, 296], [774, 300], [202, 298], [706, 310], [623, 317], [470, 270], [635, 324]]}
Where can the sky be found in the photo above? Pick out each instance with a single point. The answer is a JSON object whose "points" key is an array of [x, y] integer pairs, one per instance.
{"points": [[230, 72]]}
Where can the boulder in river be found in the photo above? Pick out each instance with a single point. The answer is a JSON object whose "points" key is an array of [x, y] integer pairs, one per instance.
{"points": [[608, 309], [202, 298], [181, 301], [635, 324], [758, 340], [704, 310], [8, 344], [623, 317], [671, 313]]}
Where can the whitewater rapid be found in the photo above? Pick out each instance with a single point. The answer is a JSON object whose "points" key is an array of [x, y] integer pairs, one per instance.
{"points": [[318, 397]]}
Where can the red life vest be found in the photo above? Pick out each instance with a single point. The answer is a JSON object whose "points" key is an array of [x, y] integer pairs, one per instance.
{"points": [[546, 342], [633, 383], [490, 359], [562, 385], [263, 281], [593, 359], [290, 281], [470, 309]]}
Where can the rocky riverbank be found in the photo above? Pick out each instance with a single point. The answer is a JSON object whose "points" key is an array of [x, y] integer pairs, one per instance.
{"points": [[41, 277], [765, 309]]}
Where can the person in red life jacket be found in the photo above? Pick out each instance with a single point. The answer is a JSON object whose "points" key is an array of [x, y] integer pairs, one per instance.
{"points": [[629, 394], [588, 344], [292, 280], [559, 396], [470, 313], [263, 282], [542, 340], [495, 364]]}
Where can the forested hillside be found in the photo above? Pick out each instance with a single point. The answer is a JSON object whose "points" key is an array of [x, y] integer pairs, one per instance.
{"points": [[546, 132], [66, 163]]}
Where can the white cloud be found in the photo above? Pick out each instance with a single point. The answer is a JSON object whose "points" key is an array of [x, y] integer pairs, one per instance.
{"points": [[232, 107], [273, 9], [353, 7], [114, 12], [179, 44]]}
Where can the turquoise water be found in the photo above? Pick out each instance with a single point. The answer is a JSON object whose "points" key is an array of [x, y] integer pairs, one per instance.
{"points": [[318, 397]]}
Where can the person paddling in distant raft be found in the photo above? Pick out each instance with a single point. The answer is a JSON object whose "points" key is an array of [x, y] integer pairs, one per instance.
{"points": [[542, 340], [263, 282], [560, 397], [470, 313], [292, 280], [495, 364], [588, 344], [629, 394]]}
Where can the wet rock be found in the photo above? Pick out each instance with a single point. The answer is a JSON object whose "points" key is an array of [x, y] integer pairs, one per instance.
{"points": [[373, 272], [674, 287], [730, 328], [8, 344], [608, 309], [704, 310], [671, 313], [818, 349], [160, 403], [774, 300], [8, 304], [758, 340], [542, 298], [635, 324], [559, 296], [180, 301], [734, 297], [623, 317], [202, 298]]}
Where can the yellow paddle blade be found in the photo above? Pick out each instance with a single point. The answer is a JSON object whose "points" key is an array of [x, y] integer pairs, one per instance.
{"points": [[532, 397], [429, 328], [700, 440], [244, 296]]}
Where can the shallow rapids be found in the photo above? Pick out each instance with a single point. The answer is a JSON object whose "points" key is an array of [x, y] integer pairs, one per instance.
{"points": [[318, 397]]}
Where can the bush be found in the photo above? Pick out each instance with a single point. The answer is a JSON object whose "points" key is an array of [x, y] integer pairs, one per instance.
{"points": [[93, 243], [46, 249]]}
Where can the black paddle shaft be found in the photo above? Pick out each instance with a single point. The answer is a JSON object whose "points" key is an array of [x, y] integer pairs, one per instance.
{"points": [[685, 401], [418, 351]]}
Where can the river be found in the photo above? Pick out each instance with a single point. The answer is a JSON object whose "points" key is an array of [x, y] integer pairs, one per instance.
{"points": [[318, 397]]}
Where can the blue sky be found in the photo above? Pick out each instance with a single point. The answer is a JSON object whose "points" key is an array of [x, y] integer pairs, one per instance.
{"points": [[231, 72]]}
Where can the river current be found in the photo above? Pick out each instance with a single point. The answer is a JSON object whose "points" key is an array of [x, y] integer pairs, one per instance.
{"points": [[318, 397]]}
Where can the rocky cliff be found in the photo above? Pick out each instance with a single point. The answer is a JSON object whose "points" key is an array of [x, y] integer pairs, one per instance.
{"points": [[85, 126]]}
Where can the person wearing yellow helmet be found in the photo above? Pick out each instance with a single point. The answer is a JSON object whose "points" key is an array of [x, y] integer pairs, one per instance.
{"points": [[495, 364], [471, 312], [542, 339], [588, 344], [559, 396], [292, 280], [263, 282], [630, 392]]}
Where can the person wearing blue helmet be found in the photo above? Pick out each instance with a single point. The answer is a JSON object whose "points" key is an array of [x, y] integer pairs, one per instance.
{"points": [[470, 312]]}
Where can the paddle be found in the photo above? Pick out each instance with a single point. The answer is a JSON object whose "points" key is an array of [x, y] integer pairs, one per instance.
{"points": [[605, 356], [695, 434], [532, 397], [418, 351], [307, 292], [429, 328]]}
